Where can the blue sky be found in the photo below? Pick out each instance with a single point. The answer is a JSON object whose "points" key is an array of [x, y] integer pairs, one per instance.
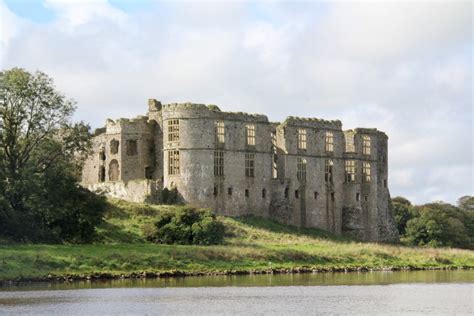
{"points": [[402, 67]]}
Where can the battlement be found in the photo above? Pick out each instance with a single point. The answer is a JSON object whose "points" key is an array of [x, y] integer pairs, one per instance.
{"points": [[211, 111], [139, 124], [367, 131], [312, 123]]}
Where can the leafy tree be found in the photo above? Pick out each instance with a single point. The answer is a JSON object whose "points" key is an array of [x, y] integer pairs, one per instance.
{"points": [[40, 157], [403, 212], [440, 224], [466, 203], [401, 200]]}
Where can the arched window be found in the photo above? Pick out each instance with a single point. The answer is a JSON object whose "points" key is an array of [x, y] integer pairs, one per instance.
{"points": [[114, 170]]}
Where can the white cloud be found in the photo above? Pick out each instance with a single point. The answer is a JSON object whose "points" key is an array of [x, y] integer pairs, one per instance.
{"points": [[403, 68]]}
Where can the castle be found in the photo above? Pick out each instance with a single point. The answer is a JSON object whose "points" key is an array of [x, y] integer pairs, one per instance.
{"points": [[305, 172]]}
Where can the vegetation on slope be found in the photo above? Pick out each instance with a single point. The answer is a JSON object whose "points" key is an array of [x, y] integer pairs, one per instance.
{"points": [[249, 244]]}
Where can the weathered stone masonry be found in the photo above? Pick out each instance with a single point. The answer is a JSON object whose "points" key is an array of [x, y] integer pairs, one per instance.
{"points": [[304, 172]]}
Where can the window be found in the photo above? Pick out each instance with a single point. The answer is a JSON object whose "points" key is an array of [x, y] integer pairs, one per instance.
{"points": [[366, 171], [301, 169], [315, 195], [264, 193], [102, 174], [274, 157], [131, 145], [114, 145], [173, 130], [328, 166], [297, 194], [102, 154], [366, 198], [333, 196], [384, 183], [366, 145], [350, 170], [250, 165], [173, 162], [229, 190], [215, 191], [114, 171], [357, 196], [247, 193], [350, 147], [220, 132], [301, 138], [148, 173], [218, 163], [250, 134], [329, 142], [286, 193]]}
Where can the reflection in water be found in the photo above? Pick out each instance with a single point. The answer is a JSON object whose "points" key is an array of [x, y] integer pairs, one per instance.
{"points": [[304, 279], [427, 292]]}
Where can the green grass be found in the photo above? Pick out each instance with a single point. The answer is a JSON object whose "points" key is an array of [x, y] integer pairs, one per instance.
{"points": [[250, 244]]}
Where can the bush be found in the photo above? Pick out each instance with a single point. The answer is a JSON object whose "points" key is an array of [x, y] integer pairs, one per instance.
{"points": [[169, 196], [187, 226]]}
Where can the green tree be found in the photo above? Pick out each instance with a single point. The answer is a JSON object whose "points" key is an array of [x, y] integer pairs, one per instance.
{"points": [[403, 212], [466, 203], [440, 224], [40, 157]]}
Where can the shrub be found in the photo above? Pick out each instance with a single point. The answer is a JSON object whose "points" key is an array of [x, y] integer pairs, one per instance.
{"points": [[169, 196], [187, 226]]}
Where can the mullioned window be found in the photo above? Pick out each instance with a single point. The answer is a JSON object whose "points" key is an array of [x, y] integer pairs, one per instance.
{"points": [[350, 168], [218, 163], [250, 165], [173, 162], [329, 142], [301, 169], [301, 138], [173, 130]]}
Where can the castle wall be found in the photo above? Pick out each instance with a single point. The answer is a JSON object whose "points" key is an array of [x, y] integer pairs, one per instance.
{"points": [[197, 183], [357, 208]]}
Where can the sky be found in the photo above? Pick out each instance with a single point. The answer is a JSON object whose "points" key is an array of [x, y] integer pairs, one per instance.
{"points": [[402, 67]]}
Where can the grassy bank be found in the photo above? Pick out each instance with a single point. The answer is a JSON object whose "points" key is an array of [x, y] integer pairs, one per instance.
{"points": [[250, 244]]}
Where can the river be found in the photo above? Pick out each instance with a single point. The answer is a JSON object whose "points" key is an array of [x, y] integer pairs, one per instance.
{"points": [[367, 293]]}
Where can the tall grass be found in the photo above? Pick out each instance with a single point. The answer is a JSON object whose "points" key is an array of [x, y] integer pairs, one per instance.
{"points": [[250, 244]]}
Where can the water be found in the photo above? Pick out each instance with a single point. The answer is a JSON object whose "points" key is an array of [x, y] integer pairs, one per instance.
{"points": [[387, 293]]}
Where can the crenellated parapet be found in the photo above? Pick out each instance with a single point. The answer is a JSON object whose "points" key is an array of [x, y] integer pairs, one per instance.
{"points": [[202, 111], [140, 124], [312, 123]]}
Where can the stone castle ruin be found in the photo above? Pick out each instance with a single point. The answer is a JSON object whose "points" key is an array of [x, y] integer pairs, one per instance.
{"points": [[305, 172]]}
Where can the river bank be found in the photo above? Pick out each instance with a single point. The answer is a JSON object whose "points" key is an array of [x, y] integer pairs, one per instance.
{"points": [[251, 246], [147, 275]]}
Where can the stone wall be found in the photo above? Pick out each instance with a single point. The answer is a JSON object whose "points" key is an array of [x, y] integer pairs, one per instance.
{"points": [[134, 191], [357, 208]]}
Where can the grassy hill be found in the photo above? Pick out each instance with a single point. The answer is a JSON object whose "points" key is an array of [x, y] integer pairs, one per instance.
{"points": [[251, 244]]}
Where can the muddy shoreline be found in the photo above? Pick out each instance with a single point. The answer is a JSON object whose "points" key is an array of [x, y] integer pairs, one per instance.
{"points": [[68, 278]]}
